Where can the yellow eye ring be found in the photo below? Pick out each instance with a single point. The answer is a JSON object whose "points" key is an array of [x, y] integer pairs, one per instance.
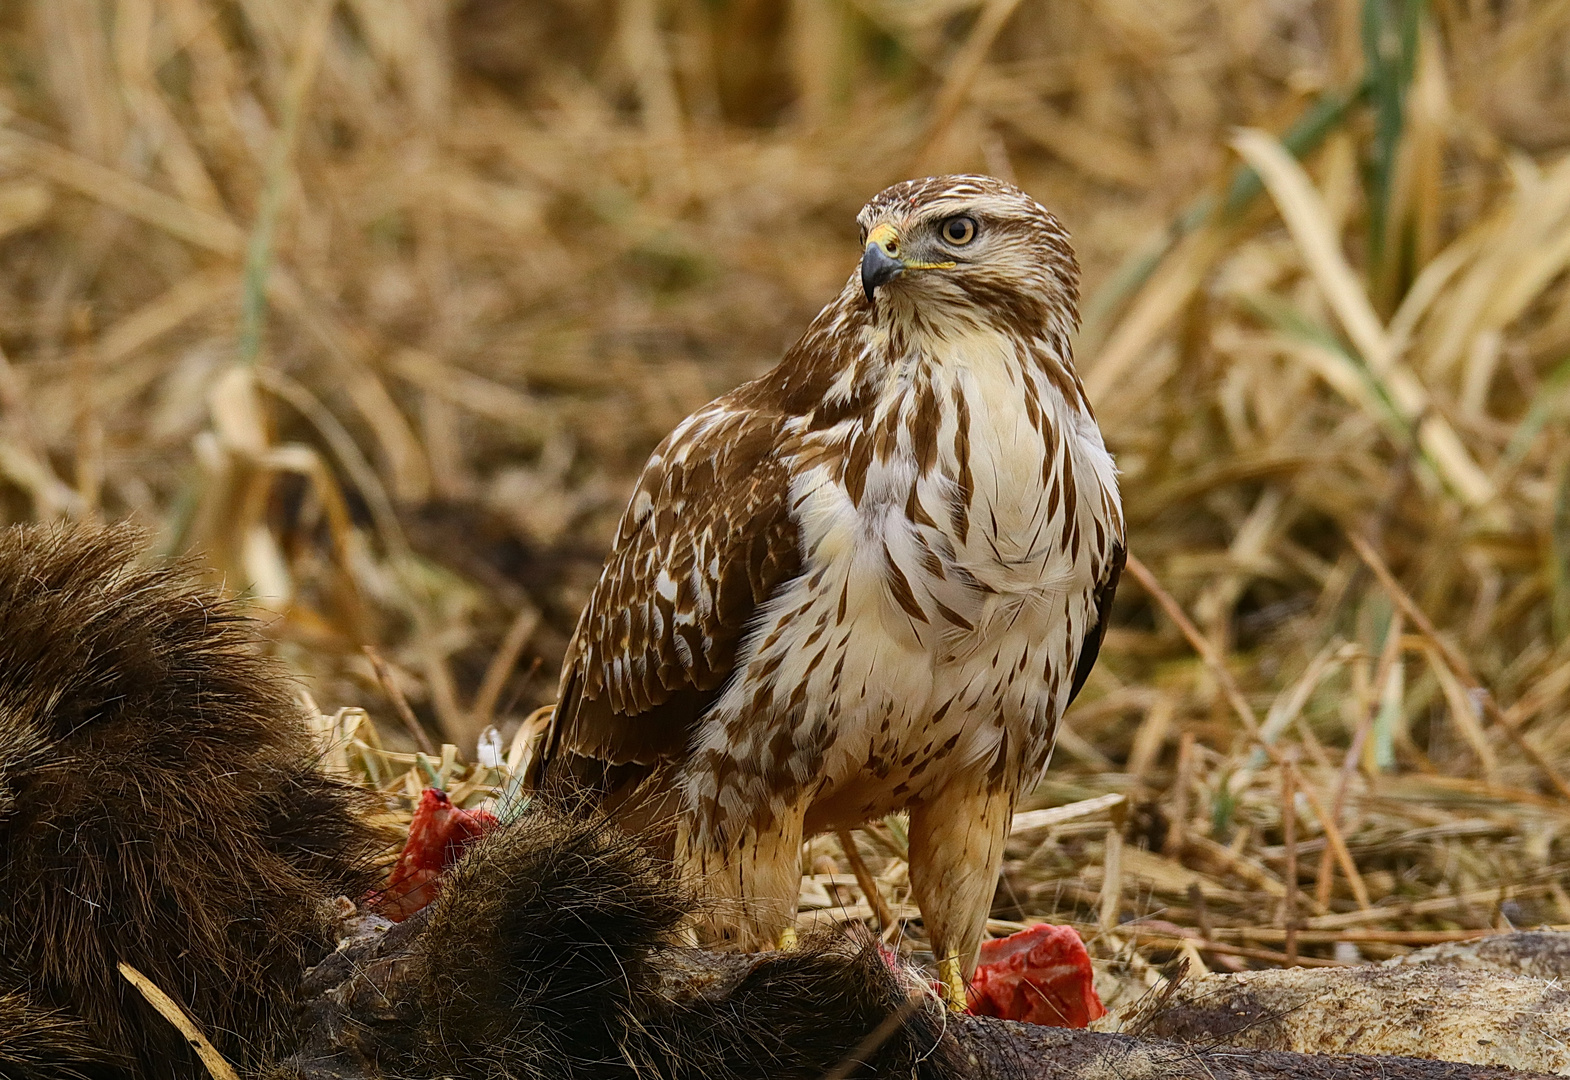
{"points": [[958, 231]]}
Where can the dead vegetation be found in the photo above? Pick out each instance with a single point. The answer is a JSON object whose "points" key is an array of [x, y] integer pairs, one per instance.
{"points": [[381, 304]]}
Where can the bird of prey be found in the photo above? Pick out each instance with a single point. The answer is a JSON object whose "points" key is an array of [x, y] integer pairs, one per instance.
{"points": [[869, 580]]}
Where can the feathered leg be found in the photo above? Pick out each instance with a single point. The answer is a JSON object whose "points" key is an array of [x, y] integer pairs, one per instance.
{"points": [[956, 846], [751, 886]]}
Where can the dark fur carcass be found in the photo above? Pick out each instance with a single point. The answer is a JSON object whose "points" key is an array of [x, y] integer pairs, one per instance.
{"points": [[552, 952], [159, 806]]}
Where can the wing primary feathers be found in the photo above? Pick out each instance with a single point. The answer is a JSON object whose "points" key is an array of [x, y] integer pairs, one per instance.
{"points": [[1092, 645]]}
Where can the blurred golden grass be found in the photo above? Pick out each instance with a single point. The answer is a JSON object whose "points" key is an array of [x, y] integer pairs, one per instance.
{"points": [[379, 305]]}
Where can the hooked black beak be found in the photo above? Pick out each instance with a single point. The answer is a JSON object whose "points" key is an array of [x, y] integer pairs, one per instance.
{"points": [[878, 267]]}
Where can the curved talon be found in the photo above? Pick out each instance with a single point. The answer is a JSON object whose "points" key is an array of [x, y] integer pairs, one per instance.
{"points": [[951, 983]]}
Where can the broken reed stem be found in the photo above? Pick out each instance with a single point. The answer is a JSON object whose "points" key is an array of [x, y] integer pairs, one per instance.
{"points": [[259, 250], [1197, 901], [502, 664], [1148, 741], [444, 696], [1455, 661], [1324, 878], [400, 703], [960, 77], [1112, 881], [1206, 650], [865, 881], [1219, 948], [1289, 830], [89, 429], [1437, 905], [362, 476], [1388, 655], [1177, 834], [217, 1067], [1236, 863], [1278, 958], [1337, 844]]}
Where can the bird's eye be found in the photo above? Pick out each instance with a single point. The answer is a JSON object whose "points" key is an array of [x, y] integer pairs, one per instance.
{"points": [[959, 231]]}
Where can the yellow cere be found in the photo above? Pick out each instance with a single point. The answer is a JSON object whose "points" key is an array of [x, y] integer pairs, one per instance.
{"points": [[886, 237]]}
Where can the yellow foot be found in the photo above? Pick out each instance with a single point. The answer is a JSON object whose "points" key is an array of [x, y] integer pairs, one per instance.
{"points": [[786, 940], [951, 983]]}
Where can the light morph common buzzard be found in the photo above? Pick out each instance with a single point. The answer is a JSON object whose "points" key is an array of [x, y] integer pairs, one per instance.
{"points": [[870, 580]]}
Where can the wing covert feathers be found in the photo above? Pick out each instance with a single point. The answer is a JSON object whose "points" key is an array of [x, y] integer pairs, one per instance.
{"points": [[706, 539]]}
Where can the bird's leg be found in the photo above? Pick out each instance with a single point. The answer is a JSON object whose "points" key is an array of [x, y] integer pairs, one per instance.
{"points": [[956, 846], [752, 885], [952, 984]]}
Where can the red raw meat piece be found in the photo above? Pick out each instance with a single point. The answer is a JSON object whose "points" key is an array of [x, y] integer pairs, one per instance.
{"points": [[438, 835], [1040, 975]]}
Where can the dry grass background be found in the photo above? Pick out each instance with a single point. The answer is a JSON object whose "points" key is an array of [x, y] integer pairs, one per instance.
{"points": [[379, 304]]}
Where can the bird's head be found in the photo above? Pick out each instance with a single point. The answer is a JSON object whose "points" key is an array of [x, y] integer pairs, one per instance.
{"points": [[971, 248]]}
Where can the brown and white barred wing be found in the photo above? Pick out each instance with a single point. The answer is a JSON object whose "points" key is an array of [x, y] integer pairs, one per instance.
{"points": [[705, 540]]}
